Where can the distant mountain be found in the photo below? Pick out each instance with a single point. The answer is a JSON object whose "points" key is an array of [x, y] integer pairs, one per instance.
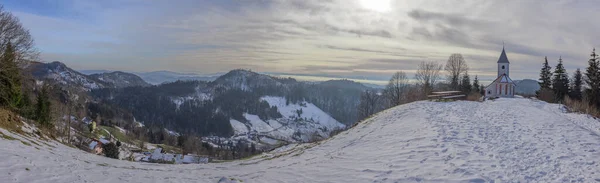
{"points": [[60, 74], [120, 79], [90, 72], [345, 84], [159, 77], [376, 86], [526, 86], [247, 80]]}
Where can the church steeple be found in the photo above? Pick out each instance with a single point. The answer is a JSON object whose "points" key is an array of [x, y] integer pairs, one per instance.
{"points": [[503, 58], [503, 63]]}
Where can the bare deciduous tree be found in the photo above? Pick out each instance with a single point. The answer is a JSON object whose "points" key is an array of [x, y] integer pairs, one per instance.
{"points": [[395, 91], [369, 104], [11, 30], [427, 75], [455, 67]]}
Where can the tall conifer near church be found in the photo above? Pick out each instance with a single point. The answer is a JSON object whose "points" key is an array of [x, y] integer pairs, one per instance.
{"points": [[560, 81], [476, 85], [546, 75], [592, 79], [575, 91]]}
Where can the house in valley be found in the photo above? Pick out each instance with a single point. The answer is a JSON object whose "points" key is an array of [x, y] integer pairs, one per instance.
{"points": [[97, 145]]}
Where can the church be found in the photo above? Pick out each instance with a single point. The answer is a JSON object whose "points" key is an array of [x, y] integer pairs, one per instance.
{"points": [[503, 86]]}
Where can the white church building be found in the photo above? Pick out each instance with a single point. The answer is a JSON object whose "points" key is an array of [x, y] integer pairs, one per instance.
{"points": [[503, 86]]}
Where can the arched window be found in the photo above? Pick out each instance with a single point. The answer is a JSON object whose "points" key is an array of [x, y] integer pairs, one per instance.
{"points": [[502, 67]]}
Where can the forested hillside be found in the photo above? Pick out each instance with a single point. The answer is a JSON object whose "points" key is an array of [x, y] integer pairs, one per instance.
{"points": [[205, 108]]}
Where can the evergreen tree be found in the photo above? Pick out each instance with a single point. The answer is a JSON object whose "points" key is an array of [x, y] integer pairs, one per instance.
{"points": [[482, 90], [560, 81], [42, 110], [575, 91], [465, 84], [10, 79], [476, 85], [545, 75], [592, 79], [111, 150]]}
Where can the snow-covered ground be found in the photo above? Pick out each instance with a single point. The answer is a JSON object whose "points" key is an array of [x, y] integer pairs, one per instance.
{"points": [[506, 140], [312, 124]]}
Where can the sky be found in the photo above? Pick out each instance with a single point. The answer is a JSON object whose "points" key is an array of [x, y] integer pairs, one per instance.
{"points": [[363, 39]]}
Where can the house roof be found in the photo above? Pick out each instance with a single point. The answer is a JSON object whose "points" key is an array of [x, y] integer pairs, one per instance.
{"points": [[503, 58]]}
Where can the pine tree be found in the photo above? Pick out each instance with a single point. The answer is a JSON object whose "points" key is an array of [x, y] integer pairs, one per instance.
{"points": [[482, 90], [10, 79], [545, 75], [575, 91], [560, 81], [42, 110], [476, 85], [465, 83], [592, 79], [111, 150]]}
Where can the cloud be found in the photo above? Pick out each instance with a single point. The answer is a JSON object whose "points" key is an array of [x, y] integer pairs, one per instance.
{"points": [[319, 37]]}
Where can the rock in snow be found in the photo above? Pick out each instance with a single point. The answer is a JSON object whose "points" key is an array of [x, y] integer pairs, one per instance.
{"points": [[506, 140]]}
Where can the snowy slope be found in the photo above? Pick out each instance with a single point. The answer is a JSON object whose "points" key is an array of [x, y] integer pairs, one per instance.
{"points": [[309, 111], [63, 75], [313, 124], [507, 140]]}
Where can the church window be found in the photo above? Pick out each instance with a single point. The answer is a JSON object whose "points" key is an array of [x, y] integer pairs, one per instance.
{"points": [[502, 67]]}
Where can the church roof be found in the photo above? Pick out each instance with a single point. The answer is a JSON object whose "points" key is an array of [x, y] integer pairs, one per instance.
{"points": [[502, 79], [503, 58]]}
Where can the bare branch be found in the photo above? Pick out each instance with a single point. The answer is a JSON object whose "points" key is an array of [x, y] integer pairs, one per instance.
{"points": [[427, 75], [455, 66]]}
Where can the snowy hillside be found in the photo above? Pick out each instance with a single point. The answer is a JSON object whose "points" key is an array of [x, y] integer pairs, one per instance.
{"points": [[58, 72], [312, 123], [506, 140]]}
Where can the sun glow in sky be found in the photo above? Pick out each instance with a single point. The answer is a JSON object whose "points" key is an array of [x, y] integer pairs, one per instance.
{"points": [[376, 5]]}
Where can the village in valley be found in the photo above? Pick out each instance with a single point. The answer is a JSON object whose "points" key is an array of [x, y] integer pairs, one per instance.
{"points": [[151, 153]]}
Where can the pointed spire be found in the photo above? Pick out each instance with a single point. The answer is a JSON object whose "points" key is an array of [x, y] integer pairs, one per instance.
{"points": [[503, 58]]}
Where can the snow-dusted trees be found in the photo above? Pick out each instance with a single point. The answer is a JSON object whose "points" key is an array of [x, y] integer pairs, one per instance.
{"points": [[395, 91], [455, 67], [560, 81], [427, 75]]}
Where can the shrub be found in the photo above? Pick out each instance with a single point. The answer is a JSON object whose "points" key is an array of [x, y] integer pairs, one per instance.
{"points": [[474, 96], [111, 150], [546, 95], [582, 107]]}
